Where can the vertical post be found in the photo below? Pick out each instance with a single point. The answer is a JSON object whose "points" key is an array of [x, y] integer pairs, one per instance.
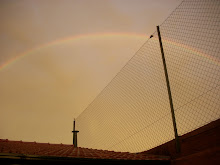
{"points": [[74, 122], [74, 134], [169, 93]]}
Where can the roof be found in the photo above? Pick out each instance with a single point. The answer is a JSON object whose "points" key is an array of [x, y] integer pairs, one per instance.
{"points": [[63, 150]]}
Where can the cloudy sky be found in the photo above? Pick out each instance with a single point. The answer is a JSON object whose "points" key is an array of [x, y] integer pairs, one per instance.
{"points": [[56, 56]]}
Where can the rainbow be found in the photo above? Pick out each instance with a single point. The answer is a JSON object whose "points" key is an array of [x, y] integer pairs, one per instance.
{"points": [[192, 50], [64, 41], [101, 35]]}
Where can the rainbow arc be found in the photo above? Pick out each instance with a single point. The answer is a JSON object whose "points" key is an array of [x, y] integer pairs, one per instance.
{"points": [[101, 35]]}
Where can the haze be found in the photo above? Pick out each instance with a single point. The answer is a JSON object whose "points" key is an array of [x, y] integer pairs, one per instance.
{"points": [[44, 85]]}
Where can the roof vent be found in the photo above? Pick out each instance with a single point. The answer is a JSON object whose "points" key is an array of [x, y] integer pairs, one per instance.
{"points": [[74, 134]]}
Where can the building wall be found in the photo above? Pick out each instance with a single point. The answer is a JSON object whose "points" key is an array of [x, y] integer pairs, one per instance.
{"points": [[201, 146]]}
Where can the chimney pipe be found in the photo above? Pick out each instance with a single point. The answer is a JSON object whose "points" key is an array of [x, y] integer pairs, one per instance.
{"points": [[74, 134]]}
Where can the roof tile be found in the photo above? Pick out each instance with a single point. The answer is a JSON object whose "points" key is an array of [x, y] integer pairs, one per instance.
{"points": [[62, 150]]}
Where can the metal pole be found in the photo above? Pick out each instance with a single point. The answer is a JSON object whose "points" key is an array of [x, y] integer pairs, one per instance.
{"points": [[74, 123], [73, 131], [74, 134], [169, 93]]}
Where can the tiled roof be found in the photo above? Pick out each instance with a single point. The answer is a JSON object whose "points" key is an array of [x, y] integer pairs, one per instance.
{"points": [[63, 150]]}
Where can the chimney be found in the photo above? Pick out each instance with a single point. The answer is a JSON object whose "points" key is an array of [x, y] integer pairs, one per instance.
{"points": [[74, 134]]}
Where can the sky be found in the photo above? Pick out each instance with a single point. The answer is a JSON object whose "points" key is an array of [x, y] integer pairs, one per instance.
{"points": [[57, 56]]}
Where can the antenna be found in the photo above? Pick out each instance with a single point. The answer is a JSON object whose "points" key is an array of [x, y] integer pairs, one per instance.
{"points": [[74, 123]]}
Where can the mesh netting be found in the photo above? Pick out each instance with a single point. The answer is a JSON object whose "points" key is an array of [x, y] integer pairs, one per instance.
{"points": [[133, 113]]}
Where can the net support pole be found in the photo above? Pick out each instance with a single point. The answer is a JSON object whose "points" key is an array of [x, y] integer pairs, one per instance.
{"points": [[169, 93]]}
